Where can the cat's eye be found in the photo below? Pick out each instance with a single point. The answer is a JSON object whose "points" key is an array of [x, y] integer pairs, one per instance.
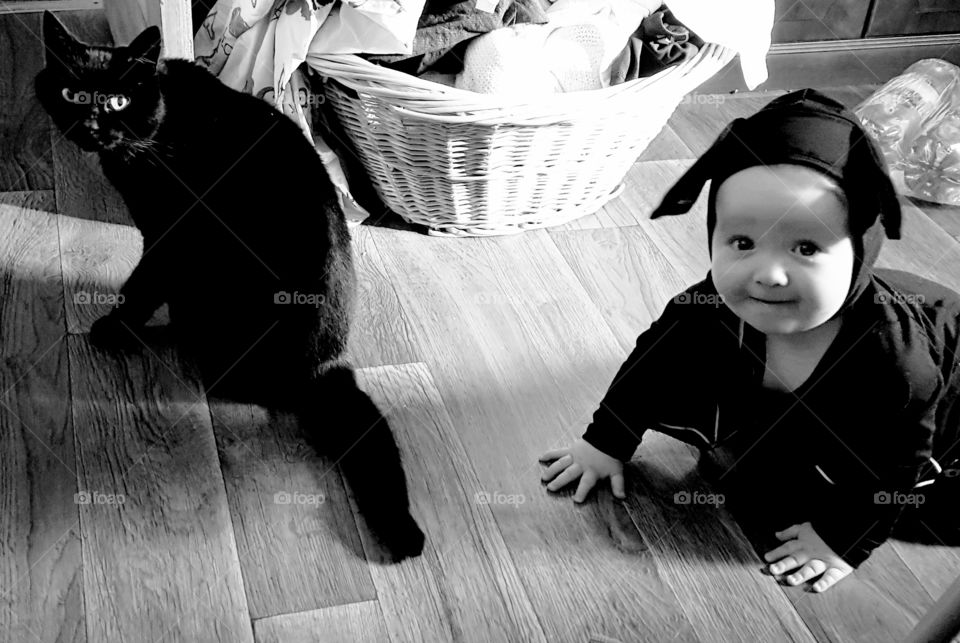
{"points": [[116, 103]]}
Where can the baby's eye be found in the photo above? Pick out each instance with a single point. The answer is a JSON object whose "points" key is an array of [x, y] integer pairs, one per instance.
{"points": [[741, 243], [808, 248], [116, 103]]}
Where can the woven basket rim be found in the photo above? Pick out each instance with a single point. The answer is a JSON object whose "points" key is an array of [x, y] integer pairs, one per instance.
{"points": [[442, 103]]}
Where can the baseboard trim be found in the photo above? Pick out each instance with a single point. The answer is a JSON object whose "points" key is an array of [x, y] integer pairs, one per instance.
{"points": [[49, 5], [832, 63]]}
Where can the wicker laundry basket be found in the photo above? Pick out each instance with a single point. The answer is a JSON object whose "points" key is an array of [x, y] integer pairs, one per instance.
{"points": [[469, 164]]}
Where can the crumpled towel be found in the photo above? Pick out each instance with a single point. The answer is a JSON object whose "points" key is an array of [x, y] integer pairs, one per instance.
{"points": [[573, 52], [530, 60], [660, 42]]}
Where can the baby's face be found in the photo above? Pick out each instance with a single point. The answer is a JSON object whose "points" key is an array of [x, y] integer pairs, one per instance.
{"points": [[782, 255]]}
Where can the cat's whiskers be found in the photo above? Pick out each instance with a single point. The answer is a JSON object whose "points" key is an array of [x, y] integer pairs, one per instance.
{"points": [[132, 146]]}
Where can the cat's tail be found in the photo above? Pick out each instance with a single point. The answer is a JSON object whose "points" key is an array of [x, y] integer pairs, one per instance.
{"points": [[343, 423]]}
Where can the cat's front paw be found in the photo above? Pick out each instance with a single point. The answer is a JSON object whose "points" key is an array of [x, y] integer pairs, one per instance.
{"points": [[113, 334]]}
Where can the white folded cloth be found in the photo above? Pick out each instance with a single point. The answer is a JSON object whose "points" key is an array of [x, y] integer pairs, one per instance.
{"points": [[744, 26]]}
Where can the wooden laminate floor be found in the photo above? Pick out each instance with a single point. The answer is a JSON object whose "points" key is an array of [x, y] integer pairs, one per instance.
{"points": [[134, 507]]}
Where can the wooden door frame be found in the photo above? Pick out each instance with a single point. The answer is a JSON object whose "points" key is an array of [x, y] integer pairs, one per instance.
{"points": [[128, 18]]}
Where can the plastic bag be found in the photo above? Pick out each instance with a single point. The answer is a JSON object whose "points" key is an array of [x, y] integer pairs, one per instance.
{"points": [[916, 119]]}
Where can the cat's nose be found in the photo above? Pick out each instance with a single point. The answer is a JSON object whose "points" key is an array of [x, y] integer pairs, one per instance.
{"points": [[92, 125]]}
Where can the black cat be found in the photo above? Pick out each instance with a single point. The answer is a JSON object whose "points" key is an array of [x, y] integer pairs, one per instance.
{"points": [[245, 241]]}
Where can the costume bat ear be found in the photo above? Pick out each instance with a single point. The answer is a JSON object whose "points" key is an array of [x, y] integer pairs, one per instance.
{"points": [[890, 213], [681, 197], [871, 169]]}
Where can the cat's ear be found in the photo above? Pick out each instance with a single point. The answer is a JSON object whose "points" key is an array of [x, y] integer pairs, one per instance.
{"points": [[145, 48], [60, 45]]}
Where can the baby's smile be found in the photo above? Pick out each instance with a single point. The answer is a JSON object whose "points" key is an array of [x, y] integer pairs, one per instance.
{"points": [[773, 302]]}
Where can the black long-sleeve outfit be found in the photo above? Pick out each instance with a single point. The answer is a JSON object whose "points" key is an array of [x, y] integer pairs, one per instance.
{"points": [[838, 449]]}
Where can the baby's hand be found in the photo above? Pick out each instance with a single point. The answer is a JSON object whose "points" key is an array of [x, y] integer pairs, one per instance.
{"points": [[805, 549], [582, 460]]}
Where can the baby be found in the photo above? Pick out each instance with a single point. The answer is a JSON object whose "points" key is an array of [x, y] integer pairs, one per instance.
{"points": [[833, 385]]}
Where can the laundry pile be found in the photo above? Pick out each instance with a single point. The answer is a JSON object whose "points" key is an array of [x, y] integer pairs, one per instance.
{"points": [[535, 46], [490, 46]]}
